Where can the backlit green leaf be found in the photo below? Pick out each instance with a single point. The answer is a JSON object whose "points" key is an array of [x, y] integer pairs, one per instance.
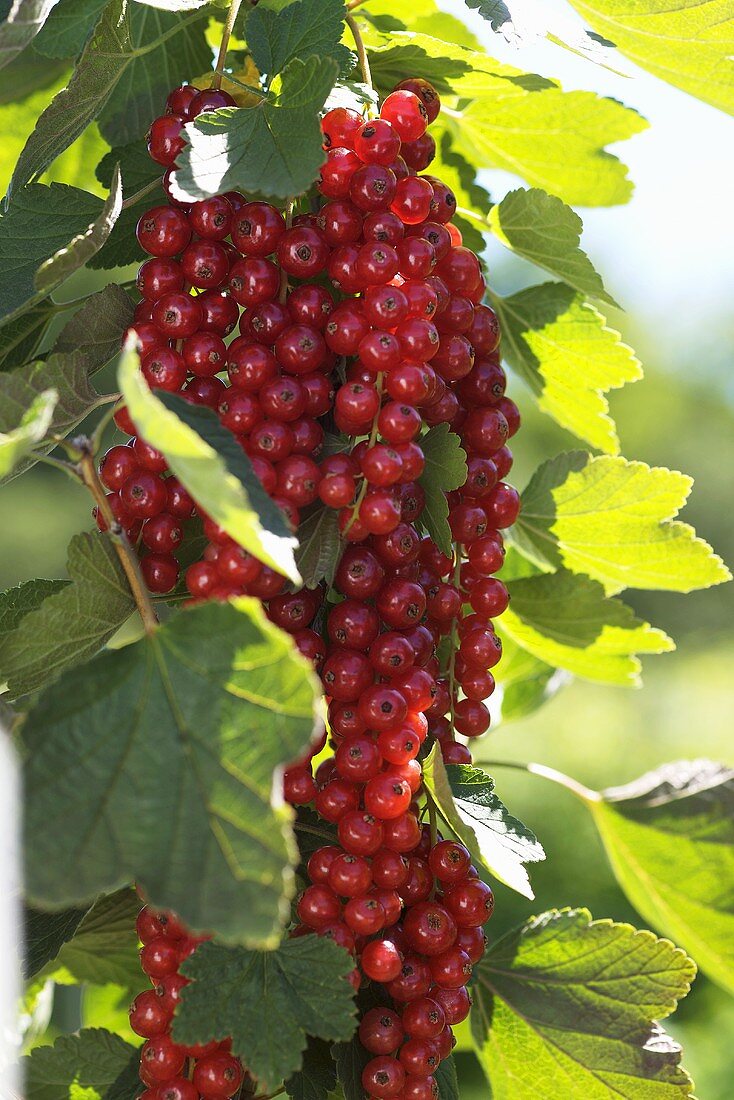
{"points": [[670, 839], [306, 28], [20, 24], [613, 519], [212, 466], [527, 682], [269, 1002], [689, 45], [566, 621], [104, 947], [24, 433], [84, 1066], [561, 347], [158, 763], [566, 1006], [465, 798]]}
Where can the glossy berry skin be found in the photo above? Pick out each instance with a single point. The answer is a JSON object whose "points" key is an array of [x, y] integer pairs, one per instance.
{"points": [[148, 1017], [164, 139], [381, 961], [381, 1031], [218, 1076], [163, 231], [407, 114]]}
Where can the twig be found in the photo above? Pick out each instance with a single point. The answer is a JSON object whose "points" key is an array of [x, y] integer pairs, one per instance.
{"points": [[232, 14], [283, 273], [87, 473], [364, 63], [141, 194], [573, 785]]}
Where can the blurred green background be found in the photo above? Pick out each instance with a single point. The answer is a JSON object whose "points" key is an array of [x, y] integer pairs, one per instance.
{"points": [[673, 275]]}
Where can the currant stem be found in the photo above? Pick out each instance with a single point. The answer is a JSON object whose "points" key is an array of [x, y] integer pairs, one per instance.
{"points": [[372, 440], [232, 14], [283, 273], [364, 63], [542, 770], [140, 194], [433, 826], [87, 473], [454, 636]]}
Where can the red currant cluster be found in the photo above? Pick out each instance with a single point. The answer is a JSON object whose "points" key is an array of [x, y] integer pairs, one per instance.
{"points": [[365, 316], [170, 1071]]}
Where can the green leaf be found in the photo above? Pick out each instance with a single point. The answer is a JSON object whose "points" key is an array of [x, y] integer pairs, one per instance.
{"points": [[561, 347], [21, 22], [269, 1002], [94, 332], [569, 158], [73, 623], [319, 546], [137, 170], [20, 338], [527, 682], [444, 471], [45, 934], [211, 464], [215, 701], [33, 426], [461, 176], [670, 839], [351, 1058], [68, 27], [317, 1076], [104, 947], [47, 233], [689, 45], [17, 602], [84, 1066], [307, 28], [542, 229], [565, 1006], [272, 150], [135, 55], [567, 621], [465, 798], [613, 520], [447, 1079]]}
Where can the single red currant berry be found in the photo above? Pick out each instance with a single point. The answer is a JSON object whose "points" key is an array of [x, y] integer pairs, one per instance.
{"points": [[218, 1076]]}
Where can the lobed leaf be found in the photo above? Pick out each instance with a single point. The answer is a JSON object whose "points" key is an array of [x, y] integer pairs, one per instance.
{"points": [[268, 1002], [104, 947], [613, 520], [159, 763], [137, 171], [567, 621], [689, 45], [465, 798], [72, 623], [542, 229], [306, 28], [669, 836], [269, 151], [526, 681], [565, 1006], [67, 28], [562, 348], [94, 332], [92, 1061], [444, 471], [317, 1076]]}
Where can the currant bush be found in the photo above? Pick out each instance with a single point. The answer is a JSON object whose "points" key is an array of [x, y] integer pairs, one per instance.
{"points": [[363, 316]]}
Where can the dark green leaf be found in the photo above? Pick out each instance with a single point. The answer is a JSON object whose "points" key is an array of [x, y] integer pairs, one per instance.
{"points": [[307, 28], [565, 1006], [45, 934], [272, 150], [213, 466], [319, 546], [447, 1080], [15, 603], [194, 720], [73, 623], [20, 338], [613, 519], [351, 1058], [135, 56], [20, 26], [68, 26], [95, 331], [542, 229], [27, 74], [445, 470], [465, 798], [561, 347], [104, 947], [46, 234], [137, 170], [269, 1002], [670, 839], [317, 1077], [567, 621], [91, 1061]]}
